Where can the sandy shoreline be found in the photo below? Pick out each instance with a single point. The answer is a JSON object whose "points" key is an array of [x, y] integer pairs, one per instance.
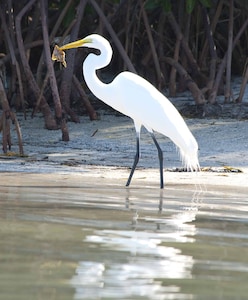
{"points": [[105, 149]]}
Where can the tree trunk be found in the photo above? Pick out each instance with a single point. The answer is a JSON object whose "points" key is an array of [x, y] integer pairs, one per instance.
{"points": [[14, 62], [195, 69], [51, 40], [192, 86], [6, 118], [243, 86], [53, 83], [213, 93], [114, 36], [91, 112], [212, 48], [66, 83], [49, 119], [152, 45], [215, 20], [229, 54], [161, 46], [173, 73]]}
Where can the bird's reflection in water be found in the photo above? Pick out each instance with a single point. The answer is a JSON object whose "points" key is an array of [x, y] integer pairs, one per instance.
{"points": [[183, 214], [134, 262]]}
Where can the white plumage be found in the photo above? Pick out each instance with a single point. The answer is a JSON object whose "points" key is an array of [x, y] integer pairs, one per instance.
{"points": [[135, 97]]}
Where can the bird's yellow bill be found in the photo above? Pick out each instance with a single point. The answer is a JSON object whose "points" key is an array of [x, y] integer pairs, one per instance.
{"points": [[75, 44], [58, 53]]}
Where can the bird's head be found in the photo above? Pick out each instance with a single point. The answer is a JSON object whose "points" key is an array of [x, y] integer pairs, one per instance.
{"points": [[94, 41], [91, 41]]}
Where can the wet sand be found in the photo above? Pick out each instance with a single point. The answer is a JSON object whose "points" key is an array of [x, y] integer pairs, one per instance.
{"points": [[104, 150]]}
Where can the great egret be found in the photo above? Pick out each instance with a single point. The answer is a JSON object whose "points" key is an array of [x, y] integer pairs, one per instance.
{"points": [[135, 97]]}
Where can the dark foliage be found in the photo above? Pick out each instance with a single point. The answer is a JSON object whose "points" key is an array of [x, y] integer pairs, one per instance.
{"points": [[177, 45]]}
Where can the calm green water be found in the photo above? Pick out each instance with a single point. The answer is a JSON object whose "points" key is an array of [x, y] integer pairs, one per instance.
{"points": [[66, 238]]}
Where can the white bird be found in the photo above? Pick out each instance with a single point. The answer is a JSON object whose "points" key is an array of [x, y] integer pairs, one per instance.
{"points": [[135, 97]]}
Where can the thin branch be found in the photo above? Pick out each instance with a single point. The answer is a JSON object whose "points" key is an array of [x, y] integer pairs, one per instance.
{"points": [[114, 36], [179, 35], [151, 42], [13, 59], [243, 85], [87, 104], [212, 47], [213, 93], [192, 86], [53, 83], [229, 53], [49, 120], [67, 74]]}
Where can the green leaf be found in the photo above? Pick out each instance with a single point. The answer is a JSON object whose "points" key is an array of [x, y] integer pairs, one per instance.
{"points": [[190, 4], [166, 5], [206, 3], [152, 4]]}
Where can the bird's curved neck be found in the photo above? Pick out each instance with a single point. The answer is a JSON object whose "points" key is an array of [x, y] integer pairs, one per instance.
{"points": [[93, 63]]}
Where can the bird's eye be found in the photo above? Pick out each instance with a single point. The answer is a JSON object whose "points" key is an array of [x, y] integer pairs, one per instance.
{"points": [[96, 51], [92, 50]]}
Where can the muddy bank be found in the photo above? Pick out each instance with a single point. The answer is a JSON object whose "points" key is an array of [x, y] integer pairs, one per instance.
{"points": [[106, 148]]}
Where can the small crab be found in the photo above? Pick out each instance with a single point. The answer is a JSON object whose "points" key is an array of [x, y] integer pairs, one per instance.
{"points": [[59, 55]]}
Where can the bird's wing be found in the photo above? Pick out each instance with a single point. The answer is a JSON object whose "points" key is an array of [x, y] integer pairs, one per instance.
{"points": [[141, 101]]}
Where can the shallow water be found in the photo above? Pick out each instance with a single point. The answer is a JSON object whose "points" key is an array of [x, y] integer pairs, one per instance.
{"points": [[66, 237]]}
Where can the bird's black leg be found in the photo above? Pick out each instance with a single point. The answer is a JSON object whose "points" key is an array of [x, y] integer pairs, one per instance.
{"points": [[160, 157], [136, 159]]}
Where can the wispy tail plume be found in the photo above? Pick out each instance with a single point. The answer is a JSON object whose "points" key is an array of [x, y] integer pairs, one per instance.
{"points": [[190, 161]]}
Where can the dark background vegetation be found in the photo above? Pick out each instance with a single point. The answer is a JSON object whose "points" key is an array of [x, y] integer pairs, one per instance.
{"points": [[194, 45]]}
